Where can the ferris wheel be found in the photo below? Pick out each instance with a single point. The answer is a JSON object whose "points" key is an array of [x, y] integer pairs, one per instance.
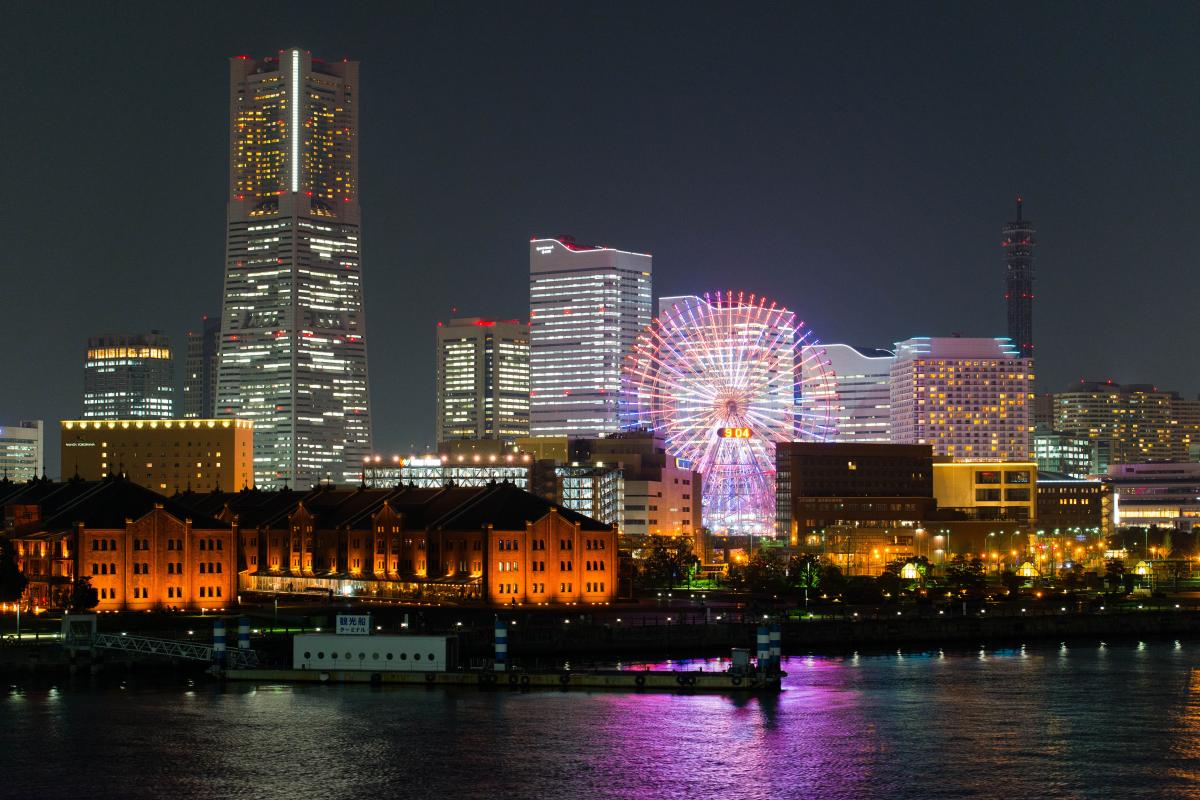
{"points": [[718, 377]]}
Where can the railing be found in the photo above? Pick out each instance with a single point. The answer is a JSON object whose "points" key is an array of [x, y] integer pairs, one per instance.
{"points": [[170, 648]]}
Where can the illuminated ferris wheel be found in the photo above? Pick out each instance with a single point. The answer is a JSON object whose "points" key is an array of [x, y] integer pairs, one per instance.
{"points": [[717, 376]]}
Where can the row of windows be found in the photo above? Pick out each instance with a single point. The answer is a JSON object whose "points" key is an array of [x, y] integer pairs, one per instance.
{"points": [[374, 656]]}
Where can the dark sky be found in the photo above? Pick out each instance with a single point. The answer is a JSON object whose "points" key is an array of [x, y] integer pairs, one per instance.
{"points": [[855, 162]]}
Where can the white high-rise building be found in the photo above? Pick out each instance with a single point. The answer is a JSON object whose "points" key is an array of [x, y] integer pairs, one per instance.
{"points": [[482, 379], [587, 306], [968, 398], [293, 354], [862, 386], [21, 451]]}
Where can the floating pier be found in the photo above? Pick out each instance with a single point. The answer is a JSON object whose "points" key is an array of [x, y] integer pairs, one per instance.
{"points": [[625, 680]]}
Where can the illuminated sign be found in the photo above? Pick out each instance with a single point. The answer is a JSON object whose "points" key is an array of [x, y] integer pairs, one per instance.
{"points": [[354, 624], [735, 433], [79, 444]]}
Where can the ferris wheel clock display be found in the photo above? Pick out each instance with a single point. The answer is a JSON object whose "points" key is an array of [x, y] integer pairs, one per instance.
{"points": [[718, 377]]}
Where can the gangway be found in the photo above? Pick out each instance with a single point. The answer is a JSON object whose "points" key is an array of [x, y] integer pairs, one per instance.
{"points": [[239, 658], [79, 634]]}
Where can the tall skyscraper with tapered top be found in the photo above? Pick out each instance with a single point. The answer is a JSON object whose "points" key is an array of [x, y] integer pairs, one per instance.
{"points": [[1018, 289], [293, 354]]}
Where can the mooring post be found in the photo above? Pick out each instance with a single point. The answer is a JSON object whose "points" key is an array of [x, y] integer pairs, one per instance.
{"points": [[501, 662]]}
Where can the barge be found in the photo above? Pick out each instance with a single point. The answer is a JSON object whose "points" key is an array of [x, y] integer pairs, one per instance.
{"points": [[354, 655]]}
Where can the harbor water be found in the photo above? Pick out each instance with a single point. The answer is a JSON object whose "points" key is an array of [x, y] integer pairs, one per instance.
{"points": [[1116, 720]]}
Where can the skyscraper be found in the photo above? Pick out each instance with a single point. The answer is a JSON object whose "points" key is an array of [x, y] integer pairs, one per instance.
{"points": [[129, 376], [862, 382], [200, 370], [482, 379], [968, 398], [587, 305], [293, 354], [1018, 289]]}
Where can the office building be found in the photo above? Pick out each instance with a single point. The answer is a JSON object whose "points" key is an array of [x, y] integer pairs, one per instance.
{"points": [[869, 491], [167, 456], [987, 491], [129, 377], [596, 491], [293, 354], [1074, 507], [587, 306], [660, 496], [1018, 244], [861, 386], [21, 451], [200, 370], [482, 380], [1073, 456], [142, 551], [967, 398], [1129, 424]]}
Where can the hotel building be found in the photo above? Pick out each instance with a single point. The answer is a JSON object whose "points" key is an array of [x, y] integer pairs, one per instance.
{"points": [[862, 386], [293, 353], [129, 377], [967, 398], [482, 379], [168, 456], [587, 305], [21, 451]]}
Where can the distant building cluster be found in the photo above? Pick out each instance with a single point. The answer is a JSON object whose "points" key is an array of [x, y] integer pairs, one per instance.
{"points": [[598, 424]]}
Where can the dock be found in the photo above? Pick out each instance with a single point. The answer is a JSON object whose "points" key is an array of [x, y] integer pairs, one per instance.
{"points": [[624, 680]]}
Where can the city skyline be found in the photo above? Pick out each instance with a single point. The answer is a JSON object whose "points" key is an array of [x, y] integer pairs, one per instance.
{"points": [[854, 262]]}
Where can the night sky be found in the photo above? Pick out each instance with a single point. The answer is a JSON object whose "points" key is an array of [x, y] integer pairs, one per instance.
{"points": [[854, 162]]}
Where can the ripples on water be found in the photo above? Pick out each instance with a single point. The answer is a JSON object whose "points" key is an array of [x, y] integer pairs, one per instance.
{"points": [[1114, 721]]}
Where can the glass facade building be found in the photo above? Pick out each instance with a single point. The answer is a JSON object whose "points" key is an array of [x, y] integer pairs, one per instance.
{"points": [[587, 306], [129, 377], [293, 352]]}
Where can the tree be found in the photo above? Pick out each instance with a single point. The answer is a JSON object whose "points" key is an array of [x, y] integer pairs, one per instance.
{"points": [[669, 561], [12, 580], [832, 579], [1011, 581], [83, 596], [765, 571], [889, 583], [804, 572], [1114, 574]]}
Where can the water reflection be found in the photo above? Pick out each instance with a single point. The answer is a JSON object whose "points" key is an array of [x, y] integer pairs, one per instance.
{"points": [[980, 722]]}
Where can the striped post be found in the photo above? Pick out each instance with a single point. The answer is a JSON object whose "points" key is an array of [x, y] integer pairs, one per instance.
{"points": [[776, 644], [501, 646], [244, 633], [764, 646], [219, 642]]}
